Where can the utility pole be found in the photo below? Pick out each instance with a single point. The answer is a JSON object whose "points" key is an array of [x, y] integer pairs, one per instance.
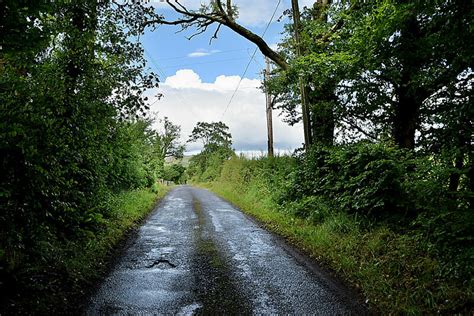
{"points": [[269, 110], [308, 140]]}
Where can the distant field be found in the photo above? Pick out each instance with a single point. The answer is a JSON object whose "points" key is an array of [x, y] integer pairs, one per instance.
{"points": [[182, 161]]}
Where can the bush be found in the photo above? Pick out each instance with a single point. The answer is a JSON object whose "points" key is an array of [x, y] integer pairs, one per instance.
{"points": [[371, 179], [313, 208], [207, 165], [175, 173], [403, 264]]}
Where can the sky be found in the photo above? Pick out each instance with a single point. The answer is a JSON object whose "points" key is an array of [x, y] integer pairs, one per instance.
{"points": [[198, 78]]}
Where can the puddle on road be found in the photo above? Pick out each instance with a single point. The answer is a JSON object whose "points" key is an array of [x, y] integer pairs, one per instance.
{"points": [[161, 263]]}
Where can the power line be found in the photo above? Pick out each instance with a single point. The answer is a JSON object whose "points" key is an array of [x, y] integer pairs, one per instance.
{"points": [[250, 61], [154, 62], [255, 60], [160, 70]]}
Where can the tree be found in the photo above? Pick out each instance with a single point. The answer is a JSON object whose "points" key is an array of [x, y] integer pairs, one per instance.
{"points": [[217, 143], [150, 148], [402, 58], [212, 135], [167, 143], [175, 173], [319, 90], [69, 73]]}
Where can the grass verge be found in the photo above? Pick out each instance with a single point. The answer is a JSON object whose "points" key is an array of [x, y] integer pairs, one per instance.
{"points": [[60, 283], [393, 271]]}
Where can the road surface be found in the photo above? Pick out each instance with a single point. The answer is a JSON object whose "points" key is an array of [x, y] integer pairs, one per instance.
{"points": [[197, 254]]}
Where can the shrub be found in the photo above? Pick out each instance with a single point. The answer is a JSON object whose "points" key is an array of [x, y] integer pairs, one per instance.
{"points": [[371, 179], [313, 208]]}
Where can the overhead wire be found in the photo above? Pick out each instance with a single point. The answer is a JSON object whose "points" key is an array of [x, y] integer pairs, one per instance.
{"points": [[160, 70], [255, 60], [250, 61]]}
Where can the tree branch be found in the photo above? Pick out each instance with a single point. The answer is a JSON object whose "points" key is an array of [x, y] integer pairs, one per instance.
{"points": [[202, 20]]}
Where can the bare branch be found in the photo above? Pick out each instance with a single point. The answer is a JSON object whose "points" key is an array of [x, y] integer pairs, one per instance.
{"points": [[182, 6], [176, 22], [257, 40], [183, 9], [202, 20], [200, 31], [215, 33]]}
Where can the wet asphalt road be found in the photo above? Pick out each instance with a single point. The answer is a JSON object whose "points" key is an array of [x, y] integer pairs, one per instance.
{"points": [[197, 254]]}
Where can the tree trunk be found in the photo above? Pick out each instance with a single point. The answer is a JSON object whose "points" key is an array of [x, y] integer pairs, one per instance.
{"points": [[410, 97], [323, 99], [322, 117], [308, 139], [405, 118]]}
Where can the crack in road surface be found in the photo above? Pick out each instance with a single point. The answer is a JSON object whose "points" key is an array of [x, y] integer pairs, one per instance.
{"points": [[197, 254]]}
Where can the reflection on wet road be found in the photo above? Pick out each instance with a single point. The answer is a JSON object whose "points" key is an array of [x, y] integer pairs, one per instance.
{"points": [[198, 254]]}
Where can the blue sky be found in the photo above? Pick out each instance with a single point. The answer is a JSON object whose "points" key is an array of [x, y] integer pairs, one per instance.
{"points": [[198, 79]]}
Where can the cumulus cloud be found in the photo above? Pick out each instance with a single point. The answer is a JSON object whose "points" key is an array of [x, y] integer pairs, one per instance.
{"points": [[188, 79], [188, 100]]}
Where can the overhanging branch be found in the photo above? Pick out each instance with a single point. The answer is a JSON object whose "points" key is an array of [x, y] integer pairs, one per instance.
{"points": [[201, 20]]}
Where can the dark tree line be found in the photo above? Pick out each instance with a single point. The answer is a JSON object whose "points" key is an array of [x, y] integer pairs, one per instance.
{"points": [[73, 124]]}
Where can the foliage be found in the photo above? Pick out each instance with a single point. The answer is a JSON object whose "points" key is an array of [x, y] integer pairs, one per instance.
{"points": [[206, 166], [167, 143], [175, 173], [72, 132], [364, 178], [211, 135]]}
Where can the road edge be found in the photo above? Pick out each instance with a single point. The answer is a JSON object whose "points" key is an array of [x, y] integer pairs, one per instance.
{"points": [[335, 283], [114, 255]]}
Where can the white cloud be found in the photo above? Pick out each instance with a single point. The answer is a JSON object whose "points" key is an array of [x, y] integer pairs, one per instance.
{"points": [[188, 79], [274, 46], [198, 54], [187, 100], [203, 52]]}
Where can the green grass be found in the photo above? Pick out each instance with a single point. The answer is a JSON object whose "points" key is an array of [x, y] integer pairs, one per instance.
{"points": [[393, 271], [127, 211], [61, 283]]}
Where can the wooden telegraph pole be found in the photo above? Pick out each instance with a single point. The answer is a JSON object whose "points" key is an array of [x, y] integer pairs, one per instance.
{"points": [[269, 110]]}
